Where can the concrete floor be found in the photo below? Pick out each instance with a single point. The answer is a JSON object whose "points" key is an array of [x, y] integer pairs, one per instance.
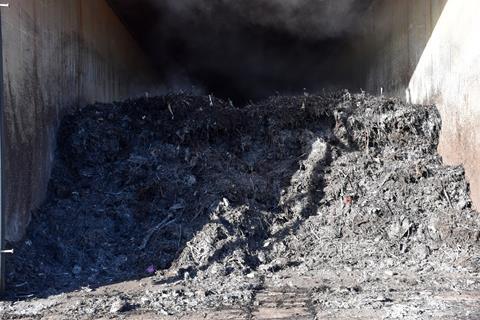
{"points": [[288, 296]]}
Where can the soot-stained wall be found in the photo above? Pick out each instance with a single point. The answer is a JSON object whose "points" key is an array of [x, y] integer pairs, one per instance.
{"points": [[57, 54]]}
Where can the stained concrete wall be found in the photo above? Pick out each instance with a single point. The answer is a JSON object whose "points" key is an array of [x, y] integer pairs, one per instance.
{"points": [[57, 54], [428, 52], [397, 34], [448, 74]]}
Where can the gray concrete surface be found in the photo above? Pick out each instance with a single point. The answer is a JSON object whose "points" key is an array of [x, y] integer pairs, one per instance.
{"points": [[428, 52], [398, 34], [448, 74], [57, 54]]}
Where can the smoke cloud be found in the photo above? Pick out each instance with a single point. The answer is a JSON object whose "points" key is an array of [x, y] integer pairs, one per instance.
{"points": [[252, 48], [314, 19]]}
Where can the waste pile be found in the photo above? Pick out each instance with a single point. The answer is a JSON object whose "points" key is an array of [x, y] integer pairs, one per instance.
{"points": [[192, 189]]}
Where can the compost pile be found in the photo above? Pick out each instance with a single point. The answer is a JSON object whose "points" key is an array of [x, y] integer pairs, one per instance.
{"points": [[192, 189]]}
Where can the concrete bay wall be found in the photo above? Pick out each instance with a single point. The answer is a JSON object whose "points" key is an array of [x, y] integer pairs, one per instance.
{"points": [[397, 34], [428, 52], [57, 54], [448, 75]]}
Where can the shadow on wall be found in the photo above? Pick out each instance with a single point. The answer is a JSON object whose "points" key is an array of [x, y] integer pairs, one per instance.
{"points": [[399, 32], [447, 74]]}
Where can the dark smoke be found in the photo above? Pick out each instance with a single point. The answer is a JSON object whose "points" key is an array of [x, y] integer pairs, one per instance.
{"points": [[252, 48], [303, 18]]}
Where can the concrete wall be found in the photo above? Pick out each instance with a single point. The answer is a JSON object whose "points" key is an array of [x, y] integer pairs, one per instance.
{"points": [[448, 74], [428, 51], [57, 54], [397, 34]]}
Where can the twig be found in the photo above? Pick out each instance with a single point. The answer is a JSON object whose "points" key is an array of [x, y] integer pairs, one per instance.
{"points": [[448, 197], [385, 180], [367, 143], [157, 228], [171, 111], [193, 253], [388, 207]]}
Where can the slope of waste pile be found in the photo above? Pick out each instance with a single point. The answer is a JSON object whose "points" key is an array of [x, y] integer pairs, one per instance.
{"points": [[190, 189]]}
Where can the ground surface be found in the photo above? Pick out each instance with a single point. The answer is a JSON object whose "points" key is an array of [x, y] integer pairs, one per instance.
{"points": [[311, 207]]}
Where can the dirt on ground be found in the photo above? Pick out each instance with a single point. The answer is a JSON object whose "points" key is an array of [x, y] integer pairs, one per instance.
{"points": [[333, 206]]}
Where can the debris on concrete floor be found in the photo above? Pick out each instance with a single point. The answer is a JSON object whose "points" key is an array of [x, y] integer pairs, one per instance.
{"points": [[321, 206]]}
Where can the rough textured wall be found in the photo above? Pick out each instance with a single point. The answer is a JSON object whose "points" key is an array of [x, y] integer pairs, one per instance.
{"points": [[57, 54], [448, 74]]}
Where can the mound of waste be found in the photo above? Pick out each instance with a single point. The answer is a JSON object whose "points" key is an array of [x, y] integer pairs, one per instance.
{"points": [[191, 188]]}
